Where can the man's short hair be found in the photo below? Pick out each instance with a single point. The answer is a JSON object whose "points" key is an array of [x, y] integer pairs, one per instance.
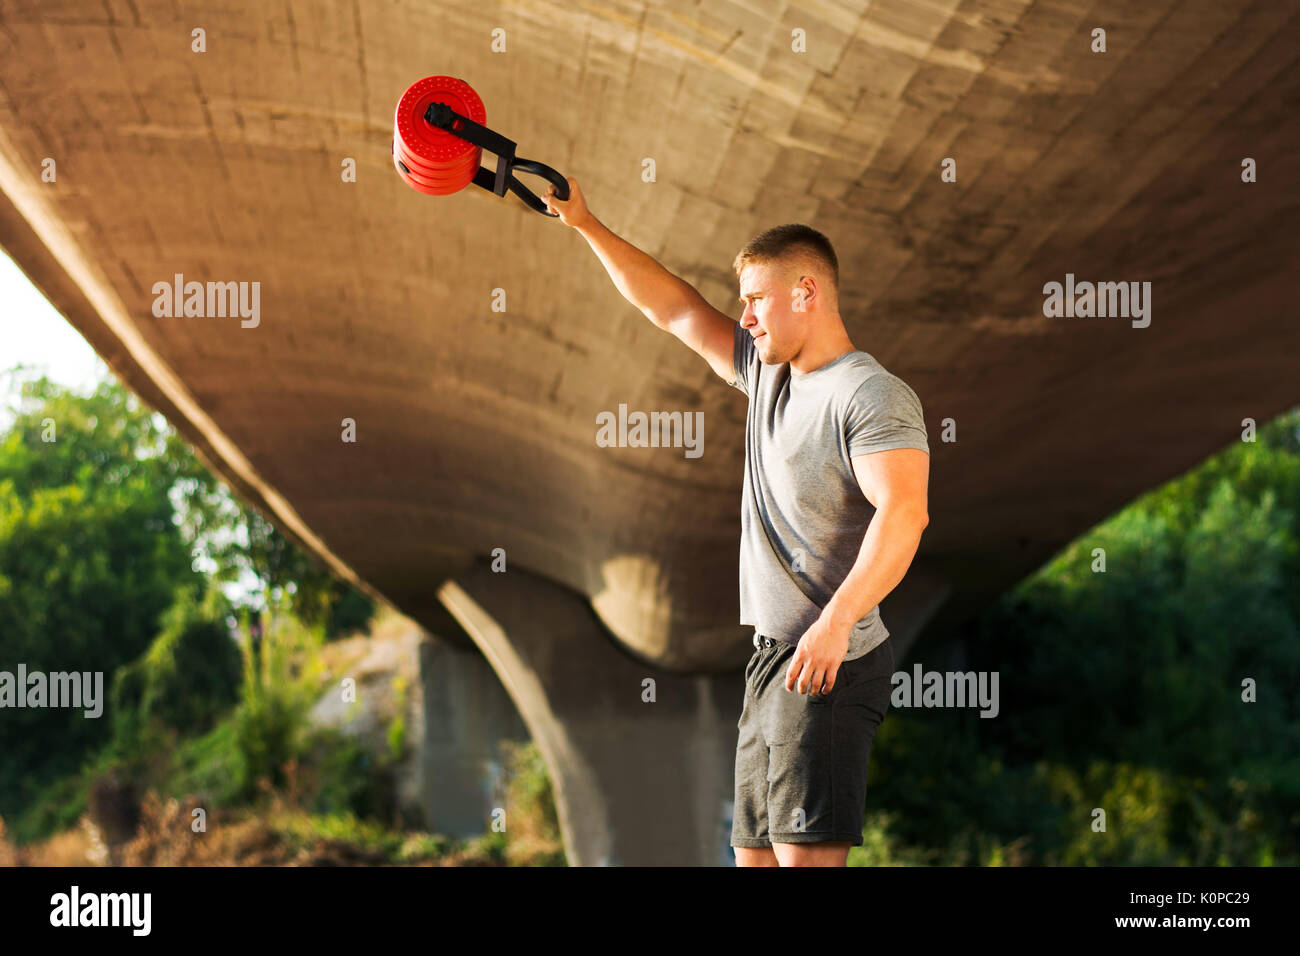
{"points": [[793, 242]]}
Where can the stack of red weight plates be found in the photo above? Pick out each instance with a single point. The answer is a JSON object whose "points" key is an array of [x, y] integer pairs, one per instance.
{"points": [[430, 159]]}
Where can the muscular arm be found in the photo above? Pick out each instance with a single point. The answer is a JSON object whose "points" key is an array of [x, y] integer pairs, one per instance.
{"points": [[896, 483], [667, 300]]}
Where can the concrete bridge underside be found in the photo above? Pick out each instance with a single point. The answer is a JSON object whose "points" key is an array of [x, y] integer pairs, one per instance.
{"points": [[476, 428]]}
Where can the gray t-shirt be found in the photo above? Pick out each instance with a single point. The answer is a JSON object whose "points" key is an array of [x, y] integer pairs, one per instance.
{"points": [[800, 434]]}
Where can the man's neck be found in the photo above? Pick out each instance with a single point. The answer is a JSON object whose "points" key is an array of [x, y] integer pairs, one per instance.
{"points": [[818, 353]]}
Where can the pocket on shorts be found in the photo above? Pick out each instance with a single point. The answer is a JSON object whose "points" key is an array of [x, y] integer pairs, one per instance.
{"points": [[873, 681], [790, 717], [876, 663]]}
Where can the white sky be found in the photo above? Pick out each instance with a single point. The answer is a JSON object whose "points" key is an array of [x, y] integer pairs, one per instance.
{"points": [[33, 333]]}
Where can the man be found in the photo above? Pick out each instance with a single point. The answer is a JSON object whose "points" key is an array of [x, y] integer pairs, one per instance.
{"points": [[834, 504]]}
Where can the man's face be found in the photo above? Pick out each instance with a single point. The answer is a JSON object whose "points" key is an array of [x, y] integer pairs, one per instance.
{"points": [[773, 311]]}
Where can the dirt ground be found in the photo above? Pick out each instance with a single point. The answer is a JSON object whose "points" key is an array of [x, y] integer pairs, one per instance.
{"points": [[165, 838]]}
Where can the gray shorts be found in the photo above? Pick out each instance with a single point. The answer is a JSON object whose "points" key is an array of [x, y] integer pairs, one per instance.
{"points": [[801, 760]]}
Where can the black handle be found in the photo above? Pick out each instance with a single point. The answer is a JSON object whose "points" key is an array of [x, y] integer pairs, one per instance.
{"points": [[537, 169], [445, 118]]}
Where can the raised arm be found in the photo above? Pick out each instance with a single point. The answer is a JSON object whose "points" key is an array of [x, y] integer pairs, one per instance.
{"points": [[668, 301]]}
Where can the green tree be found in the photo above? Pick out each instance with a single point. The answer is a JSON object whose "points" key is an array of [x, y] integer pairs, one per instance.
{"points": [[90, 558], [109, 527], [1122, 689]]}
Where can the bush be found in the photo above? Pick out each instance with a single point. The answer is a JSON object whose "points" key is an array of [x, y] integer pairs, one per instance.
{"points": [[281, 679], [189, 676]]}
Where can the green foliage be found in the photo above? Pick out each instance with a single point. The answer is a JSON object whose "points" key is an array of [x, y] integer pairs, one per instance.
{"points": [[350, 611], [89, 560], [530, 790], [107, 521], [281, 679], [397, 729], [271, 734], [532, 835], [308, 832], [881, 845], [60, 804], [303, 830], [188, 677], [316, 597], [345, 778], [1123, 690], [100, 442], [421, 846], [265, 741], [206, 767]]}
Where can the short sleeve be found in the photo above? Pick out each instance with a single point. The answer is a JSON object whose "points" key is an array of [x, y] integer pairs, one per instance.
{"points": [[743, 356], [884, 414]]}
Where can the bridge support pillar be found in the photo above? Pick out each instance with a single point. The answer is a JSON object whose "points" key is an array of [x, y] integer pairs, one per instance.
{"points": [[641, 760]]}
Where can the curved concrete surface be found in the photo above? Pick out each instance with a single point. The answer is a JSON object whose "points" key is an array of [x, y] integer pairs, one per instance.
{"points": [[476, 429]]}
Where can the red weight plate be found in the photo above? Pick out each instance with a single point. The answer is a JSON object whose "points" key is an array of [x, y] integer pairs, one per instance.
{"points": [[446, 173], [414, 184], [420, 180], [443, 160], [434, 183], [443, 180]]}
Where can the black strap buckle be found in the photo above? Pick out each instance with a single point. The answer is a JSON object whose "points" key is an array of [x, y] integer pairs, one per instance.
{"points": [[444, 117]]}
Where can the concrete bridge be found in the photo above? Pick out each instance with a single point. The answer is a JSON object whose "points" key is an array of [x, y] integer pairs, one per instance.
{"points": [[961, 155]]}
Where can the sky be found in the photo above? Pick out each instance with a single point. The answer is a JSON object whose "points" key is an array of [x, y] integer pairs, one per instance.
{"points": [[33, 333]]}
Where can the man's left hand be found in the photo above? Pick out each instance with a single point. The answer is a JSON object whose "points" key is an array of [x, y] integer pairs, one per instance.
{"points": [[818, 656]]}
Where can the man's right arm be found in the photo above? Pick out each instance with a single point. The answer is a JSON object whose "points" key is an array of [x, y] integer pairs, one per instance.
{"points": [[668, 301]]}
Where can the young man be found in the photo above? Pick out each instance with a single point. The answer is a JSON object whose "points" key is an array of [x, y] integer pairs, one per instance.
{"points": [[836, 469]]}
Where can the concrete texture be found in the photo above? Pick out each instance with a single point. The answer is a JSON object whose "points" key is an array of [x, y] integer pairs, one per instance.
{"points": [[466, 716]]}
